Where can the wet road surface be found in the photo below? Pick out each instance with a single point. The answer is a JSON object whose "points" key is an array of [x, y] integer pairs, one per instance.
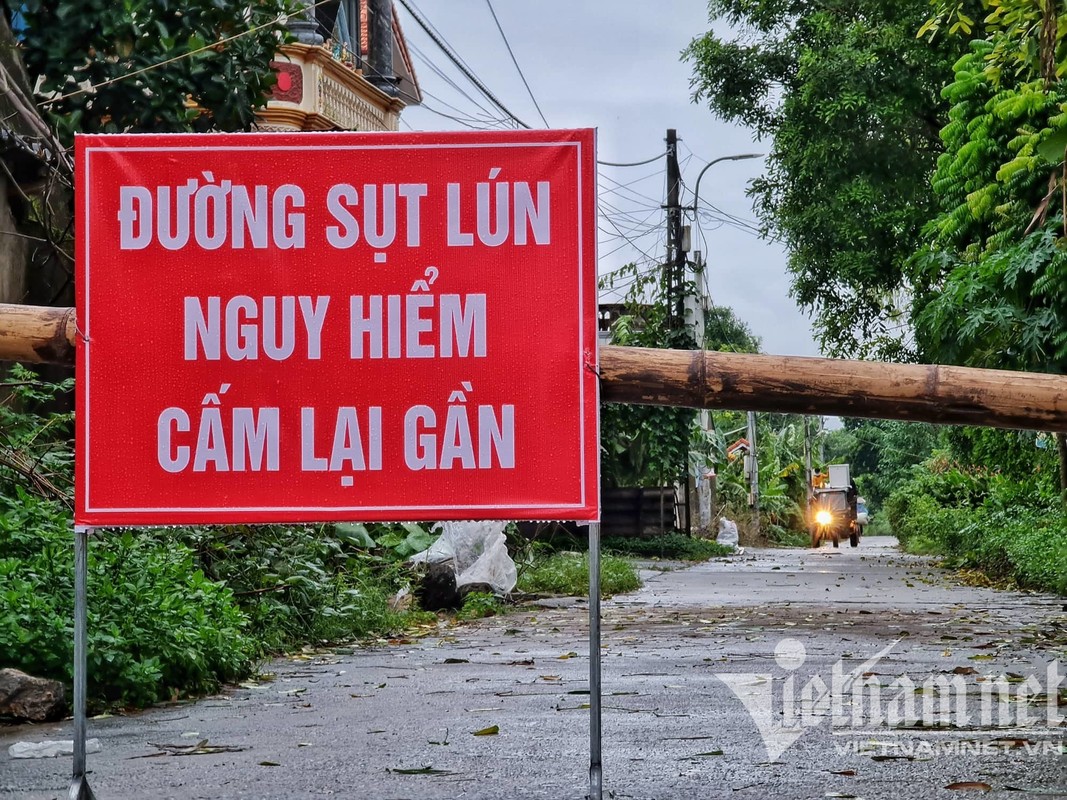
{"points": [[779, 673]]}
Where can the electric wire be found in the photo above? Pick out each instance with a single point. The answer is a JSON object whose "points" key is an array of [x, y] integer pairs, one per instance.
{"points": [[632, 163], [445, 48], [626, 226], [212, 46], [429, 62], [623, 189], [515, 61]]}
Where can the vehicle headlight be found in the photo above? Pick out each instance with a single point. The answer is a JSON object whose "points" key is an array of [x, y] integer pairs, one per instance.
{"points": [[824, 517]]}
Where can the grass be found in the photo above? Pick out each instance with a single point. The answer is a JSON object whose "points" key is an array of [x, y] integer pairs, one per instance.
{"points": [[478, 605], [879, 525], [568, 574], [671, 546]]}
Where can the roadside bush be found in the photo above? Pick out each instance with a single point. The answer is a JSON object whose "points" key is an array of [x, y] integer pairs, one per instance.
{"points": [[304, 584], [979, 519], [676, 546], [568, 574], [157, 627], [173, 611], [478, 605]]}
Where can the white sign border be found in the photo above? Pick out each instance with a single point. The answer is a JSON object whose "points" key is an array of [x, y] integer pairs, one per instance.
{"points": [[582, 365]]}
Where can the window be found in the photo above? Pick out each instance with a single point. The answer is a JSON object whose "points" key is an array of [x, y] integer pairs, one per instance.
{"points": [[339, 27]]}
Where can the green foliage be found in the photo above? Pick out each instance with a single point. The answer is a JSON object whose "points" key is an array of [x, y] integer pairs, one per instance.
{"points": [[568, 574], [34, 442], [975, 517], [725, 332], [1013, 454], [671, 546], [478, 605], [157, 626], [304, 583], [71, 43], [175, 611], [882, 453], [646, 445], [1026, 38], [780, 443], [991, 276], [852, 102]]}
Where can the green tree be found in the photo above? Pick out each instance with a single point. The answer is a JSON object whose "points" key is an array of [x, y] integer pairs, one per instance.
{"points": [[851, 100], [780, 439], [725, 332], [991, 275], [882, 453], [108, 67], [646, 445]]}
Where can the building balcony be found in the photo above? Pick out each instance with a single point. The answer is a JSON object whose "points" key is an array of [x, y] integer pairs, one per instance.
{"points": [[318, 92]]}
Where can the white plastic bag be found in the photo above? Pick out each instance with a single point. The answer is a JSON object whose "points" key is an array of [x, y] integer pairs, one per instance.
{"points": [[49, 748], [727, 533], [478, 553]]}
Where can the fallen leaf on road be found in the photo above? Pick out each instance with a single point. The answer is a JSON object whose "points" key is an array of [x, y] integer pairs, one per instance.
{"points": [[571, 654], [457, 661], [970, 785], [201, 748], [269, 764], [421, 771], [686, 738], [849, 772], [964, 671], [492, 730]]}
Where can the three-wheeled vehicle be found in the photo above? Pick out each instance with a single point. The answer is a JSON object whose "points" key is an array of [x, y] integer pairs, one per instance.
{"points": [[833, 508]]}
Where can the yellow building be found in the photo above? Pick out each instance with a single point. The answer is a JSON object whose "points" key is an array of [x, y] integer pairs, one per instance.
{"points": [[349, 69]]}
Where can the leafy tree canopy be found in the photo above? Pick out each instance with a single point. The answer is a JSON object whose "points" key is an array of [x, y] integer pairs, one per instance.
{"points": [[991, 275], [852, 101], [726, 332], [137, 57], [882, 453]]}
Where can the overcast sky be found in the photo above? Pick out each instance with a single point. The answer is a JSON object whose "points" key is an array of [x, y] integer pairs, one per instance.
{"points": [[615, 66]]}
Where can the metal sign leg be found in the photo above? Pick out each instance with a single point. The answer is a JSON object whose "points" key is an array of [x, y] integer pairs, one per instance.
{"points": [[595, 766], [79, 785]]}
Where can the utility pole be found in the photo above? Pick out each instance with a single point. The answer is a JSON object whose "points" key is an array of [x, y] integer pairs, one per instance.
{"points": [[807, 469], [753, 472], [675, 254], [675, 289], [738, 381]]}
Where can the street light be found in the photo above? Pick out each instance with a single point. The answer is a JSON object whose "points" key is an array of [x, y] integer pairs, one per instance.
{"points": [[709, 165], [754, 471]]}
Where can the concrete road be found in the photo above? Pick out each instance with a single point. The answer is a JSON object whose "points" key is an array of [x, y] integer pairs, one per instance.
{"points": [[779, 673]]}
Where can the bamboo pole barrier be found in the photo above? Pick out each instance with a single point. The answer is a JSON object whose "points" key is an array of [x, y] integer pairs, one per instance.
{"points": [[738, 381]]}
